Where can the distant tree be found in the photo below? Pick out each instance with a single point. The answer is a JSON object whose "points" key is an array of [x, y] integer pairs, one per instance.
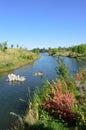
{"points": [[49, 50], [74, 49], [52, 51], [17, 46], [59, 48], [20, 47], [79, 49], [1, 47], [82, 49], [4, 45], [43, 50], [12, 45], [36, 50]]}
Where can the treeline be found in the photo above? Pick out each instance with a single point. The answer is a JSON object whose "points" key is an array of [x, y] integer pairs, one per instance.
{"points": [[81, 49], [51, 51], [77, 49], [4, 46], [38, 50]]}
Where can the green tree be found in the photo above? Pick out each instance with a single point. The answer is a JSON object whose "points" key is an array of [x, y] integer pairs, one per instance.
{"points": [[52, 51], [74, 48], [12, 45], [36, 50], [17, 46], [61, 69], [79, 49], [1, 46], [4, 45]]}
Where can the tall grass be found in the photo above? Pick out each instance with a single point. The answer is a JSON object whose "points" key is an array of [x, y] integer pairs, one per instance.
{"points": [[15, 57]]}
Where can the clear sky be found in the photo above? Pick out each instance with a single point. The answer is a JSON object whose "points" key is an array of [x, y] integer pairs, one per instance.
{"points": [[43, 23]]}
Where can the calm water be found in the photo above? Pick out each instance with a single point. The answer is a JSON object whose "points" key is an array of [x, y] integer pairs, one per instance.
{"points": [[11, 93]]}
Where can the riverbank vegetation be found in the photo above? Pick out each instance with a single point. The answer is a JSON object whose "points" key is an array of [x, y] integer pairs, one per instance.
{"points": [[57, 105], [77, 51], [12, 58]]}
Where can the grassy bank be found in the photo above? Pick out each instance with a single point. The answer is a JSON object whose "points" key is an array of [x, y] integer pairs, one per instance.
{"points": [[71, 54], [13, 58], [78, 51]]}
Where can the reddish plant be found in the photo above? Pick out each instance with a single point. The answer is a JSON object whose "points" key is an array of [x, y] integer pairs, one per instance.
{"points": [[79, 76], [60, 102]]}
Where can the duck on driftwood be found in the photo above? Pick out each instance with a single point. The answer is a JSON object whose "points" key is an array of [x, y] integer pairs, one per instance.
{"points": [[37, 74]]}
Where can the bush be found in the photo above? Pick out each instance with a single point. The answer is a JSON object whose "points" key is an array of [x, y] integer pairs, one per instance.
{"points": [[61, 102]]}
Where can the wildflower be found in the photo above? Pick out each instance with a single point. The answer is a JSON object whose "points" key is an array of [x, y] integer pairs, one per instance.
{"points": [[78, 82], [79, 76]]}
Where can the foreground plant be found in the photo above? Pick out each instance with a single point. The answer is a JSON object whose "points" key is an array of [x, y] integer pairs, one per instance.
{"points": [[79, 77], [32, 116], [60, 102]]}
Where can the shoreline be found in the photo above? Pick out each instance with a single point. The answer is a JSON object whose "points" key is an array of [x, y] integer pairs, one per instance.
{"points": [[77, 56], [13, 59], [17, 67]]}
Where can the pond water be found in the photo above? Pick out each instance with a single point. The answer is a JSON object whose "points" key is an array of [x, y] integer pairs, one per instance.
{"points": [[11, 93]]}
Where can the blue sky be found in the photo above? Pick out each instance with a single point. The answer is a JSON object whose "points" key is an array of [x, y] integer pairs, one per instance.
{"points": [[43, 23]]}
